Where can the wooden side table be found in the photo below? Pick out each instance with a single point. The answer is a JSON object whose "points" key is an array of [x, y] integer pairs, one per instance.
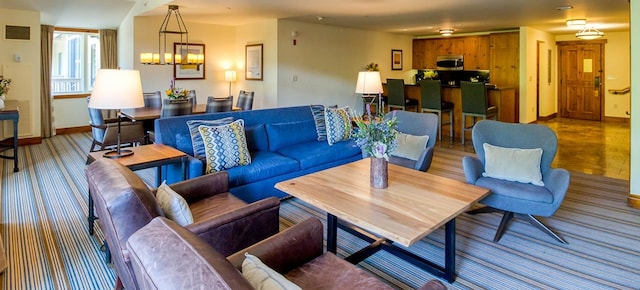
{"points": [[145, 156], [10, 112]]}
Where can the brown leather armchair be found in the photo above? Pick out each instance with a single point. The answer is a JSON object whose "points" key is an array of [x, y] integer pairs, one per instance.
{"points": [[167, 256], [125, 204]]}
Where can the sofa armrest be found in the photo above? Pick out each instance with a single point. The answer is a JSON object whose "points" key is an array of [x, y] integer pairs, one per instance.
{"points": [[203, 186], [240, 228], [288, 249]]}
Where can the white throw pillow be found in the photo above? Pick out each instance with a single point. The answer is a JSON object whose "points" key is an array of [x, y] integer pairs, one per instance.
{"points": [[173, 205], [410, 146], [513, 164], [261, 277]]}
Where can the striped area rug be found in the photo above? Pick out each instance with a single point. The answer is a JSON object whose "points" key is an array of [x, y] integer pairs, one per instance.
{"points": [[44, 231]]}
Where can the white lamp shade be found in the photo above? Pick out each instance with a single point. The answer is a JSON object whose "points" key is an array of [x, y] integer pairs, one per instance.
{"points": [[230, 76], [117, 89], [369, 83]]}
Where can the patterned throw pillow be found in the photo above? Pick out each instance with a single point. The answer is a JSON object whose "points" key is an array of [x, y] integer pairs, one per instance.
{"points": [[318, 117], [196, 140], [338, 124], [225, 146]]}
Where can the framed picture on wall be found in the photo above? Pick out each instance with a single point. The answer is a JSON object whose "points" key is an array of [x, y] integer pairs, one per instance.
{"points": [[188, 71], [396, 59], [253, 62]]}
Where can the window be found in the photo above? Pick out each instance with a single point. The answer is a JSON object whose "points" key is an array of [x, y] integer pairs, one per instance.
{"points": [[75, 63]]}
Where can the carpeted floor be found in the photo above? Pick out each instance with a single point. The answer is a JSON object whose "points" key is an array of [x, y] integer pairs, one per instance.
{"points": [[44, 230]]}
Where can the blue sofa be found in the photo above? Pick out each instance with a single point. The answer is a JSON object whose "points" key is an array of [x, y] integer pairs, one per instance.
{"points": [[283, 145]]}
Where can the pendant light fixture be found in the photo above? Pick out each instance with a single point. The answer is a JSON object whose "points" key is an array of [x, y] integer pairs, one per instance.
{"points": [[164, 56], [589, 32]]}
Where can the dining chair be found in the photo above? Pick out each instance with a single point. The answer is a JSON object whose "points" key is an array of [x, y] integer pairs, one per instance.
{"points": [[245, 100], [153, 99], [475, 104], [431, 94], [192, 95], [396, 97], [176, 107], [219, 104], [105, 135]]}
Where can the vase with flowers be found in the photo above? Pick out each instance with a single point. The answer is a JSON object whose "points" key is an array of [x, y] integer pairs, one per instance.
{"points": [[176, 93], [377, 136], [372, 67], [4, 88]]}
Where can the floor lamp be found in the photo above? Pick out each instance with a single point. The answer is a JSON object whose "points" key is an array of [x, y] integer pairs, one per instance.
{"points": [[369, 83], [116, 89]]}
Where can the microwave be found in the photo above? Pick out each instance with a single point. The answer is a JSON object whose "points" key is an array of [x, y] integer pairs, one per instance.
{"points": [[450, 62]]}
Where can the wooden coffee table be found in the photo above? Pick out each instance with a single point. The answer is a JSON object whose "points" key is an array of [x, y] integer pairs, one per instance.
{"points": [[414, 205]]}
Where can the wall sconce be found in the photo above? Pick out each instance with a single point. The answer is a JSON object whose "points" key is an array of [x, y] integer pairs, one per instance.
{"points": [[446, 31], [230, 76]]}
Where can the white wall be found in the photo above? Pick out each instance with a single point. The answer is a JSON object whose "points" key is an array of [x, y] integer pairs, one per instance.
{"points": [[326, 61], [24, 75], [218, 42], [530, 39], [266, 92], [635, 105], [617, 69]]}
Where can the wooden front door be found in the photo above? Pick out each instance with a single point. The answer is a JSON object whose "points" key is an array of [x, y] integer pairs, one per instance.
{"points": [[581, 74]]}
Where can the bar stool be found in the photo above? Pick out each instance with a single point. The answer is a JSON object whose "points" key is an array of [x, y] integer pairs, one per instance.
{"points": [[475, 104], [431, 94], [396, 96]]}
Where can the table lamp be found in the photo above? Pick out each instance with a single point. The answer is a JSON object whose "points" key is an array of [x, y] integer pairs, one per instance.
{"points": [[369, 83], [117, 89], [230, 76]]}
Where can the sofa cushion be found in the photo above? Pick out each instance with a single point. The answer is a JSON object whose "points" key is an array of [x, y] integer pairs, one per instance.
{"points": [[264, 164], [318, 118], [314, 153], [173, 205], [196, 138], [338, 124], [286, 134], [330, 272], [260, 276], [256, 137], [184, 143], [225, 146]]}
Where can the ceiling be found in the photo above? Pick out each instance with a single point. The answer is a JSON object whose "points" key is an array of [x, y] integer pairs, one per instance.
{"points": [[411, 17]]}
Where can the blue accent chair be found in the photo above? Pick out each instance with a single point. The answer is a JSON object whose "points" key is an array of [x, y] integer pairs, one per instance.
{"points": [[416, 124], [515, 199]]}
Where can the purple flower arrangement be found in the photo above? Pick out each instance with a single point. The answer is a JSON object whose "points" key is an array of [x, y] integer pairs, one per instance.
{"points": [[377, 135]]}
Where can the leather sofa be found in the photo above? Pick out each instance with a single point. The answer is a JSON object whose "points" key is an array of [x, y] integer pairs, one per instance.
{"points": [[124, 204], [167, 256], [283, 143]]}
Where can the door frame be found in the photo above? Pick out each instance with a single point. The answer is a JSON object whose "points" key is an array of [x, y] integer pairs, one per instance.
{"points": [[602, 43]]}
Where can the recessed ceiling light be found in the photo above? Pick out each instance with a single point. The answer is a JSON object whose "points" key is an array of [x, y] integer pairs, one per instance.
{"points": [[320, 18], [446, 31], [566, 7], [576, 23]]}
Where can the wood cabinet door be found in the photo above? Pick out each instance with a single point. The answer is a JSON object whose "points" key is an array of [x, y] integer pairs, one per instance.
{"points": [[580, 86], [505, 58], [419, 53]]}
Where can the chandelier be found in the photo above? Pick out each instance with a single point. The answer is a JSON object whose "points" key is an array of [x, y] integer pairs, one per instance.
{"points": [[589, 33], [182, 54]]}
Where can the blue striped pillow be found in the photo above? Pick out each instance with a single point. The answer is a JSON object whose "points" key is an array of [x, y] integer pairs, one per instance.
{"points": [[318, 118], [196, 139]]}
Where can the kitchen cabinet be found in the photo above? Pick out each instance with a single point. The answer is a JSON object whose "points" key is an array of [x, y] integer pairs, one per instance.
{"points": [[474, 48], [505, 58]]}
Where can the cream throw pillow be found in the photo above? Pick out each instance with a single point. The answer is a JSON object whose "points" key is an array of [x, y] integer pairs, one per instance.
{"points": [[513, 164], [261, 277], [173, 205], [410, 146]]}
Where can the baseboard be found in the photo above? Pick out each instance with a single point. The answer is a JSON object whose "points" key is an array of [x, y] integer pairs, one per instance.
{"points": [[29, 141], [633, 200], [547, 118], [73, 130], [617, 119]]}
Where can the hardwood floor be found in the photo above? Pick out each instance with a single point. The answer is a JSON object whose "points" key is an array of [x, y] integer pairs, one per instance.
{"points": [[598, 148]]}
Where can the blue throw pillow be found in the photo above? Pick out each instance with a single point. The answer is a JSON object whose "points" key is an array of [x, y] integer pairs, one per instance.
{"points": [[196, 140]]}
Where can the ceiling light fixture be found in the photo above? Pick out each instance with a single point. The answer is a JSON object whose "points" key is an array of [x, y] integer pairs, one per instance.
{"points": [[182, 54], [589, 33], [566, 7], [576, 23], [446, 31]]}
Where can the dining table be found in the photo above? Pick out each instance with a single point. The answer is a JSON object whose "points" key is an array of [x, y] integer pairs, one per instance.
{"points": [[152, 113]]}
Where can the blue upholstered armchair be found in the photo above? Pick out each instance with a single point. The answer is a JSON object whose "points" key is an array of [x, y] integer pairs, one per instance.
{"points": [[517, 146], [418, 124]]}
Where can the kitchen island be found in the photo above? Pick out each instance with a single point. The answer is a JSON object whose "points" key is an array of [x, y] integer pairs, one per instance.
{"points": [[505, 98]]}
